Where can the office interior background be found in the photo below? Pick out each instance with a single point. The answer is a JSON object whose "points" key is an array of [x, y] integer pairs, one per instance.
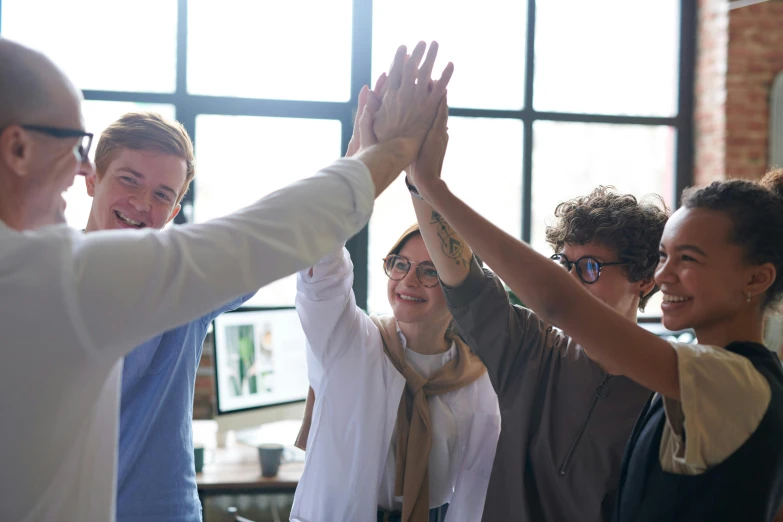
{"points": [[549, 99]]}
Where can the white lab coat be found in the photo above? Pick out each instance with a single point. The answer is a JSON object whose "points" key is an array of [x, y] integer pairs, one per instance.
{"points": [[358, 392]]}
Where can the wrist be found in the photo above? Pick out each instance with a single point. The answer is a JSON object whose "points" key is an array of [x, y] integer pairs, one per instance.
{"points": [[433, 190], [412, 189], [402, 150]]}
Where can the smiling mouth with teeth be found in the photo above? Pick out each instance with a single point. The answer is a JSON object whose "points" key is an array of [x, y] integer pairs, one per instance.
{"points": [[129, 221], [674, 299], [410, 298]]}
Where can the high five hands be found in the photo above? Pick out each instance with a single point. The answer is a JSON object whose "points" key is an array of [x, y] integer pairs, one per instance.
{"points": [[407, 105]]}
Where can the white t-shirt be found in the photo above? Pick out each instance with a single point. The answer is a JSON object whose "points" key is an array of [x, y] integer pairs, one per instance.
{"points": [[72, 305], [443, 465]]}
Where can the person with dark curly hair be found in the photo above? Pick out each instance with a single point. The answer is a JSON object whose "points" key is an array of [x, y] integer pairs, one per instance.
{"points": [[708, 445], [565, 419]]}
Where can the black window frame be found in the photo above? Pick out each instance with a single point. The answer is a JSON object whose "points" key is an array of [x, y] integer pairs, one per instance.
{"points": [[189, 106]]}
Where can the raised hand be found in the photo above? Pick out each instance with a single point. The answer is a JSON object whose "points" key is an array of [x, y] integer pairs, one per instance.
{"points": [[429, 163], [410, 97], [369, 103]]}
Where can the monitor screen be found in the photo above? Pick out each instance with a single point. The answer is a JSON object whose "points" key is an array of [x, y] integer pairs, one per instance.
{"points": [[260, 359]]}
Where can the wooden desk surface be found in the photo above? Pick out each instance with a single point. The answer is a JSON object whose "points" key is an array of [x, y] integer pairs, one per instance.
{"points": [[239, 468]]}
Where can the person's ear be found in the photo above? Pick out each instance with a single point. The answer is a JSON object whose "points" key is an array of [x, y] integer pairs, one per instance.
{"points": [[90, 181], [174, 213], [645, 286], [16, 150], [761, 278]]}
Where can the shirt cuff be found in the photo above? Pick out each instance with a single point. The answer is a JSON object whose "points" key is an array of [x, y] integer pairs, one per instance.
{"points": [[359, 179], [470, 288], [322, 266]]}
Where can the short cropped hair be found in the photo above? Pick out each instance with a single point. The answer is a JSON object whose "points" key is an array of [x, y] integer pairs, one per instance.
{"points": [[146, 131]]}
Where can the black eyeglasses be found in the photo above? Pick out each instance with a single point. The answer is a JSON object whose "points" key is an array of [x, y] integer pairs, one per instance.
{"points": [[82, 148], [397, 267], [588, 268]]}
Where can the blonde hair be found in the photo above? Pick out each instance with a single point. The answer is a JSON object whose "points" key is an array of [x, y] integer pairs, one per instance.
{"points": [[146, 131], [413, 230]]}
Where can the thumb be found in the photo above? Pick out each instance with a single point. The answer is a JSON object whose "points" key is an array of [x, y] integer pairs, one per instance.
{"points": [[366, 133], [442, 117]]}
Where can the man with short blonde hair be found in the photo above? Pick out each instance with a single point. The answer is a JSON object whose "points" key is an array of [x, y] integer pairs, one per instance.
{"points": [[148, 162], [143, 167]]}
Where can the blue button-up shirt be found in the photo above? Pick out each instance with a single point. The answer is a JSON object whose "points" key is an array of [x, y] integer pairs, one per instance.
{"points": [[156, 475]]}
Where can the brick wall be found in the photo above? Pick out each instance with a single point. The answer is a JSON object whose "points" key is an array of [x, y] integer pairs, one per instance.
{"points": [[204, 401], [740, 53], [755, 57], [710, 92]]}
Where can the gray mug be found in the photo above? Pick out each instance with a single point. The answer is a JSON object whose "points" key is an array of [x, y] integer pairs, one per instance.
{"points": [[271, 455]]}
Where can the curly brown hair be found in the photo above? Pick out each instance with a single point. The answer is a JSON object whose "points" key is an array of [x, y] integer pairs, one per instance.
{"points": [[628, 226], [756, 211]]}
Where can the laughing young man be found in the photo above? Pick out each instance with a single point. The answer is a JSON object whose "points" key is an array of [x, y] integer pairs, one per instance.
{"points": [[144, 165]]}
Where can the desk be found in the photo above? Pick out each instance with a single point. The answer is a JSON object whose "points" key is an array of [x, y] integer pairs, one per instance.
{"points": [[237, 471]]}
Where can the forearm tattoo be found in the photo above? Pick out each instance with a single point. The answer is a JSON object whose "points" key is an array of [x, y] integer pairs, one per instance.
{"points": [[450, 243]]}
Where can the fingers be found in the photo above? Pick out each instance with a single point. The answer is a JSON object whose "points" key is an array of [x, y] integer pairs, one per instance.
{"points": [[366, 134], [443, 82], [411, 68], [442, 117], [395, 72], [373, 102], [426, 68], [380, 85], [362, 102]]}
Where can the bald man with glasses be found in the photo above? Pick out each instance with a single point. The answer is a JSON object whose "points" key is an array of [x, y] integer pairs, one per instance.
{"points": [[74, 304]]}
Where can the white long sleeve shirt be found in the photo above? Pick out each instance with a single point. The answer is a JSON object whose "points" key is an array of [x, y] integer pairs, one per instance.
{"points": [[72, 305], [358, 392]]}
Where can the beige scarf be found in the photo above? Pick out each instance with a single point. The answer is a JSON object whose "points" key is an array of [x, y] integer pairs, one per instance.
{"points": [[414, 439]]}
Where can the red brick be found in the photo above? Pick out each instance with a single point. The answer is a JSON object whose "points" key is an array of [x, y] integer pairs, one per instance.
{"points": [[204, 382]]}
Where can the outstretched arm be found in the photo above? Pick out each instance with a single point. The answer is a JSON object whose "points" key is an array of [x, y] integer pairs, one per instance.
{"points": [[450, 253], [616, 343]]}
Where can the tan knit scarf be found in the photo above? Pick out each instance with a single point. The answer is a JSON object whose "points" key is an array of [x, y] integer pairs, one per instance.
{"points": [[414, 439]]}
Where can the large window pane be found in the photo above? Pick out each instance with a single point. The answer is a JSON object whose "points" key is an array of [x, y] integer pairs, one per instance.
{"points": [[97, 116], [611, 57], [571, 159], [483, 166], [240, 159], [485, 41], [278, 50], [113, 46]]}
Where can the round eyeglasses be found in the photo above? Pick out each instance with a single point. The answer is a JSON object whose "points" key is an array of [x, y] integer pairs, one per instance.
{"points": [[397, 267], [588, 268]]}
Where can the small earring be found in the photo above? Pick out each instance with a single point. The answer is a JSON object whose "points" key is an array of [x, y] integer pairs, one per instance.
{"points": [[748, 296]]}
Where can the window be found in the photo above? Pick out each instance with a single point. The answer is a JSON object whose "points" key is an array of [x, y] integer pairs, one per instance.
{"points": [[548, 100], [276, 50], [260, 155], [110, 46], [608, 57], [486, 41]]}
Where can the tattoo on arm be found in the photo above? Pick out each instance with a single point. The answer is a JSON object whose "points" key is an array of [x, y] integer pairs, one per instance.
{"points": [[450, 243]]}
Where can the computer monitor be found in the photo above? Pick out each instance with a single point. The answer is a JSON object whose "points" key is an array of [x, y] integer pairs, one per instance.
{"points": [[260, 359]]}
